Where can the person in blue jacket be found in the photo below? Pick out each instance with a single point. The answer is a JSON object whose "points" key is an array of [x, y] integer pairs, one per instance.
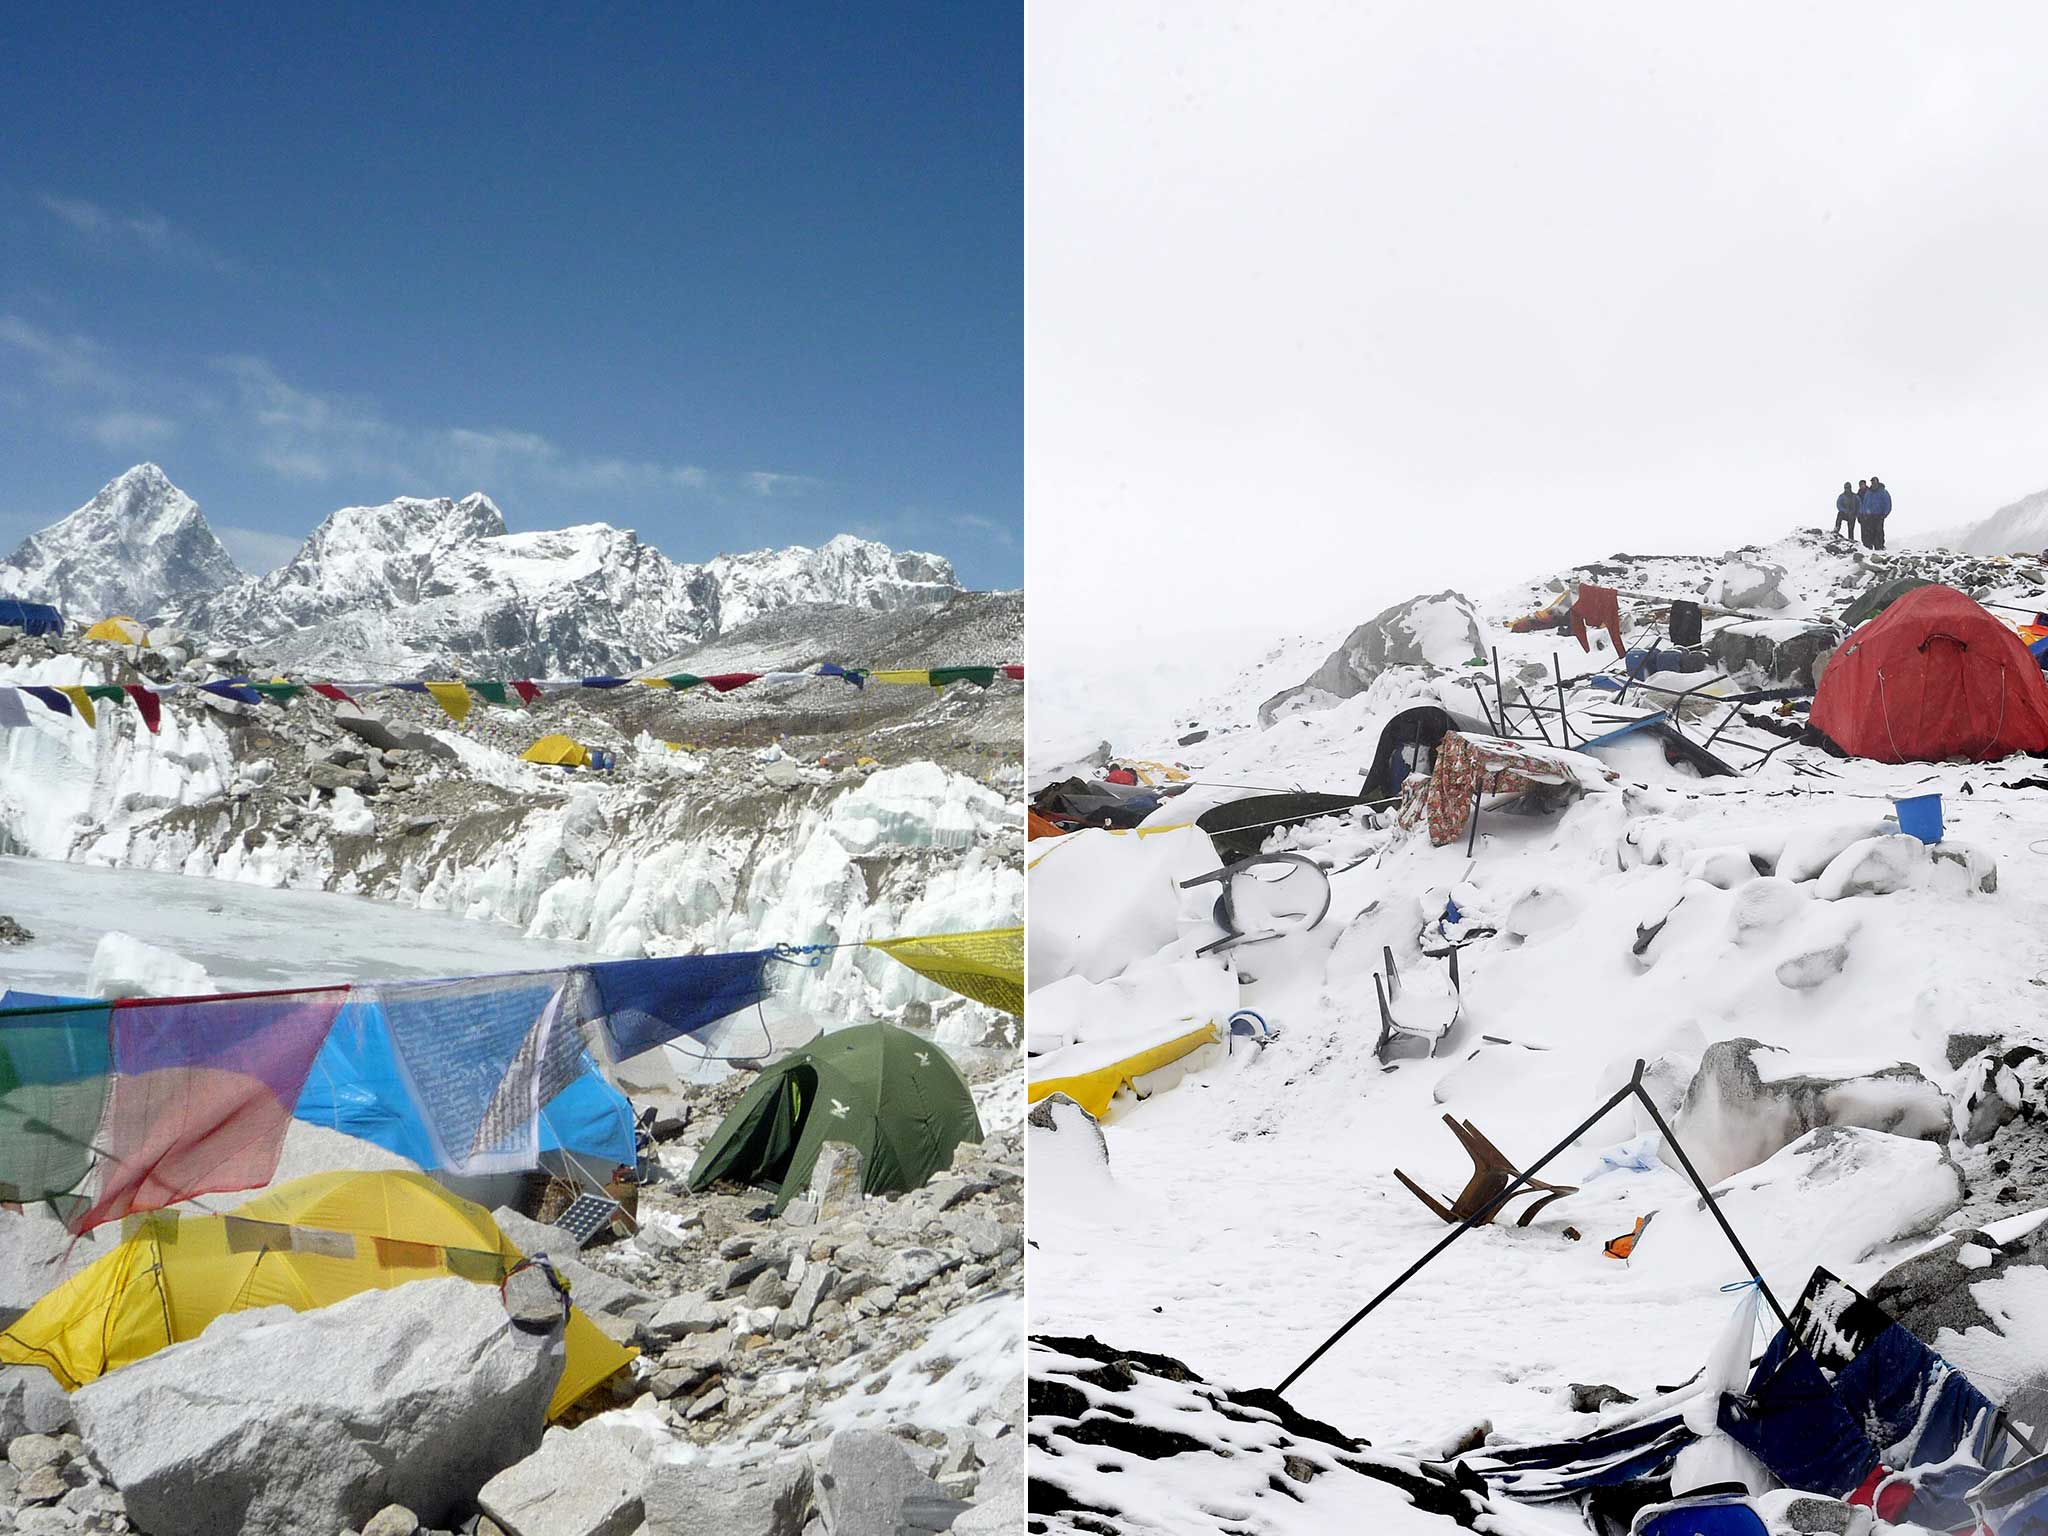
{"points": [[1874, 507]]}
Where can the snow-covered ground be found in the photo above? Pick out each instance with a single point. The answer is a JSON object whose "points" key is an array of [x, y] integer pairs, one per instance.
{"points": [[1249, 1206]]}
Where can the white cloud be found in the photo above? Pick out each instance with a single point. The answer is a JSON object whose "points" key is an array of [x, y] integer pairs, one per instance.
{"points": [[769, 483], [1004, 533], [128, 429], [149, 232], [66, 362]]}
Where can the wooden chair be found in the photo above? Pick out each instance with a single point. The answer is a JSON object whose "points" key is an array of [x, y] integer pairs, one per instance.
{"points": [[1491, 1173]]}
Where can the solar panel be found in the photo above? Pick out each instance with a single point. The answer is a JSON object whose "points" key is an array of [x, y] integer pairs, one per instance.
{"points": [[586, 1216]]}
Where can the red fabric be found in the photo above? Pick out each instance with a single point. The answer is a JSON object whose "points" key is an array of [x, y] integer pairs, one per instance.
{"points": [[527, 692], [1120, 776], [1887, 1502], [1597, 608], [1016, 673], [1934, 676], [147, 704], [725, 682], [329, 691]]}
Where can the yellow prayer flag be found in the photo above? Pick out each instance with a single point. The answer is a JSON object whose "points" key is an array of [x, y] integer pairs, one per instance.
{"points": [[919, 675], [453, 698], [987, 966], [655, 682], [82, 703]]}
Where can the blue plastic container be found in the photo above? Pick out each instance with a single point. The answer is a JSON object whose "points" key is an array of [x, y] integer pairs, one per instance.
{"points": [[1920, 816]]}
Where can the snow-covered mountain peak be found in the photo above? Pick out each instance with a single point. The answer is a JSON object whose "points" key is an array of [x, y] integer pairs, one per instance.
{"points": [[140, 546]]}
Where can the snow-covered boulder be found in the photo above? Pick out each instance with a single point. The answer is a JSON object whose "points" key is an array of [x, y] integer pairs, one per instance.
{"points": [[274, 1421], [1749, 586], [1098, 900], [1749, 1099], [1974, 1298], [1998, 1086], [1831, 1198], [125, 966], [1442, 632], [1787, 651], [1874, 866]]}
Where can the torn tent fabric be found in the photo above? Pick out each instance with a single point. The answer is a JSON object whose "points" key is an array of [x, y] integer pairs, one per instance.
{"points": [[981, 677], [200, 1093], [31, 618], [1597, 607], [987, 966], [1848, 1392], [2015, 1502], [147, 704], [645, 1003], [853, 675], [453, 699]]}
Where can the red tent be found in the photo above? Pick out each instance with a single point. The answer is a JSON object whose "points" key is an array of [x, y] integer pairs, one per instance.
{"points": [[1934, 676]]}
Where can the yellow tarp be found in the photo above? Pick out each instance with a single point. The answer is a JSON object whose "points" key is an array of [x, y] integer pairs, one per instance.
{"points": [[82, 702], [564, 750], [1154, 774], [120, 629], [453, 699], [306, 1244], [1093, 1090], [1171, 826], [921, 675], [987, 966]]}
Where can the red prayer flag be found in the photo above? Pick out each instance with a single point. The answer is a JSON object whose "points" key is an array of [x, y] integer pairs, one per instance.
{"points": [[1015, 673], [329, 691], [527, 692], [147, 704], [725, 682]]}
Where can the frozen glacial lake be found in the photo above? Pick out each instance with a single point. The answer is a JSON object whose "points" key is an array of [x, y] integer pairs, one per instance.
{"points": [[247, 936]]}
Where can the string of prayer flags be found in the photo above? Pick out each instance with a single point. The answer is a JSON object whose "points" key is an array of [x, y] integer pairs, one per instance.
{"points": [[147, 704], [81, 703], [902, 675], [453, 699]]}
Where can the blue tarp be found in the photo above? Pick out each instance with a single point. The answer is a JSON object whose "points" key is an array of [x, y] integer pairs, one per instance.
{"points": [[34, 618]]}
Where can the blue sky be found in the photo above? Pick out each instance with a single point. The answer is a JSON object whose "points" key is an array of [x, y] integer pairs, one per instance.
{"points": [[733, 276]]}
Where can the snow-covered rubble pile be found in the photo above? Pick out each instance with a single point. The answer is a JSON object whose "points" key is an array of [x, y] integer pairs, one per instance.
{"points": [[1841, 1024]]}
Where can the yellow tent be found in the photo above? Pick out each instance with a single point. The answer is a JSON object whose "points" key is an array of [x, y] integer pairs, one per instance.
{"points": [[565, 750], [306, 1244], [1093, 1089], [120, 629]]}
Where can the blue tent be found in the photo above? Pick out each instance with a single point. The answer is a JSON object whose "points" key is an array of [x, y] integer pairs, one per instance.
{"points": [[356, 1087], [34, 618]]}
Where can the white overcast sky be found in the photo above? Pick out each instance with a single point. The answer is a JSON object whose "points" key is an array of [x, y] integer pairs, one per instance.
{"points": [[1328, 304]]}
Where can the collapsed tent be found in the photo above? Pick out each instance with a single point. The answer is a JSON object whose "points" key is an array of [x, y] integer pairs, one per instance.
{"points": [[1094, 803], [558, 751], [1093, 1086], [1878, 596], [31, 618], [896, 1097], [306, 1244], [121, 630], [1240, 828], [1933, 677], [1847, 1403]]}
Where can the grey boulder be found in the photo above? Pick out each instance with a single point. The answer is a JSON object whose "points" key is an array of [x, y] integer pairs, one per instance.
{"points": [[389, 735], [1439, 631], [865, 1481], [581, 1482], [294, 1421], [693, 1499]]}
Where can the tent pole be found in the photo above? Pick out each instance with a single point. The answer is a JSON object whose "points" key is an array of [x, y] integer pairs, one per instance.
{"points": [[1478, 1218], [1564, 722]]}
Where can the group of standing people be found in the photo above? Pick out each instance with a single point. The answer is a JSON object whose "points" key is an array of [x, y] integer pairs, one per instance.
{"points": [[1865, 507]]}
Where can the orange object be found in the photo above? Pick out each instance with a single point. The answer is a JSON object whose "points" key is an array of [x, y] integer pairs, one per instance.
{"points": [[1036, 826], [1621, 1247]]}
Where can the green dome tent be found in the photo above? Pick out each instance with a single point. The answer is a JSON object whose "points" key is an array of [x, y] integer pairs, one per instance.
{"points": [[1878, 596], [890, 1093]]}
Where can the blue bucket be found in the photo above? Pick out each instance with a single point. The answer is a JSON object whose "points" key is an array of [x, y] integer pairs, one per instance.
{"points": [[1920, 816]]}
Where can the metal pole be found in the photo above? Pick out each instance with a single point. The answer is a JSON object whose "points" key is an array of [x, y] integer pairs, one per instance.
{"points": [[1478, 1218], [1564, 724]]}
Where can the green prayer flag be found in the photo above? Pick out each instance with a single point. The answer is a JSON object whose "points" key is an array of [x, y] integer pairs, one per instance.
{"points": [[981, 677], [105, 691], [683, 680], [279, 691], [490, 693]]}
